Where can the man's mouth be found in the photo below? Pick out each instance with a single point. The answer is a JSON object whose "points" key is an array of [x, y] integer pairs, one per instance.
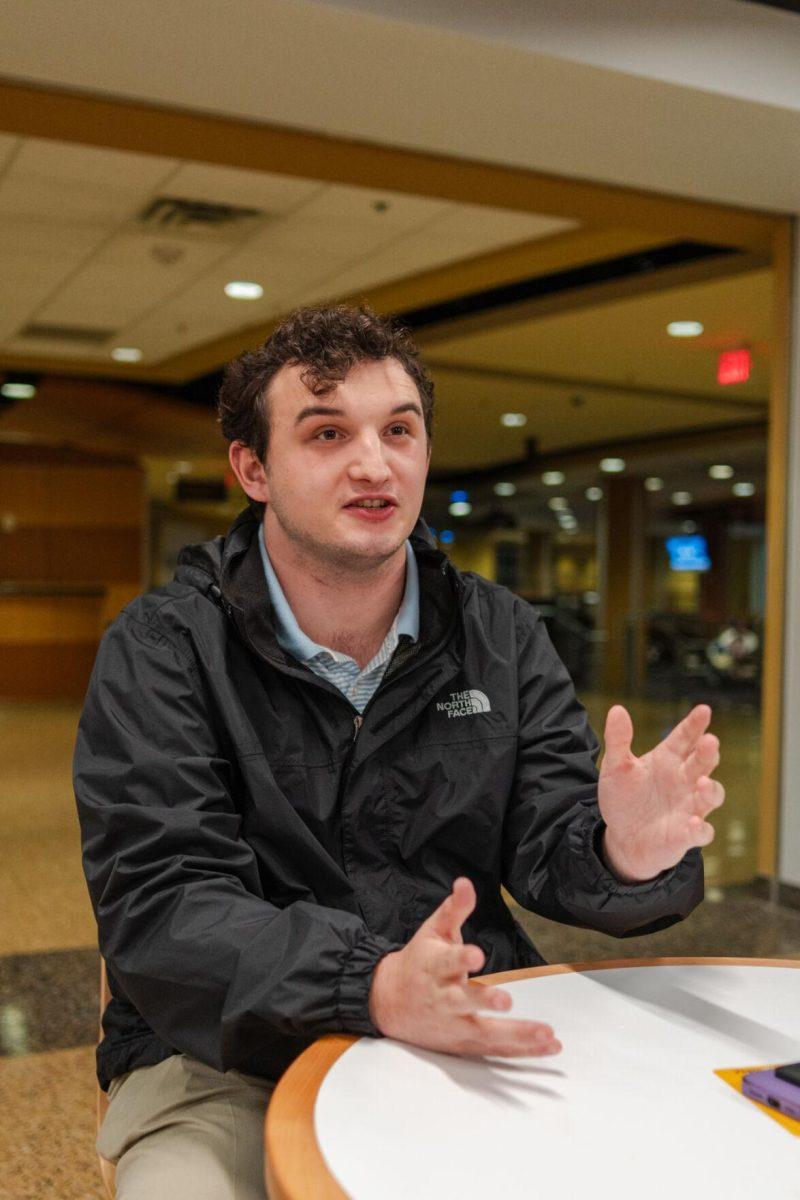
{"points": [[370, 504]]}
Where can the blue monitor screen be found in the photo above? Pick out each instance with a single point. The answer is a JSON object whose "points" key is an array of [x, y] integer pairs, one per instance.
{"points": [[688, 553]]}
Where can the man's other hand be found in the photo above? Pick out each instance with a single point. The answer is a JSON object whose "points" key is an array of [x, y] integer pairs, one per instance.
{"points": [[421, 995], [655, 807]]}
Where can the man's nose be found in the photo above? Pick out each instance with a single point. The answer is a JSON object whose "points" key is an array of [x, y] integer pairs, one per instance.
{"points": [[369, 460]]}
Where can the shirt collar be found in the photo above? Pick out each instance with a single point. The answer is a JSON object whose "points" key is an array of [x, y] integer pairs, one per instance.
{"points": [[291, 637]]}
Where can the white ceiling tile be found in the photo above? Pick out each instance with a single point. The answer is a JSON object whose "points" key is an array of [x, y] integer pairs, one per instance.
{"points": [[127, 278], [68, 184], [393, 210], [490, 227], [254, 189]]}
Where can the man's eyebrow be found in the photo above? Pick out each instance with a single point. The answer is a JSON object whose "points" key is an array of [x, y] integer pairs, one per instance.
{"points": [[318, 410], [327, 410]]}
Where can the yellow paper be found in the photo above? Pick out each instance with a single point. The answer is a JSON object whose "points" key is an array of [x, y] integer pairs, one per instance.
{"points": [[734, 1077]]}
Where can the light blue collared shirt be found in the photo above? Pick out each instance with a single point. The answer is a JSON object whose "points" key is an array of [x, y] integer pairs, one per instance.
{"points": [[339, 669]]}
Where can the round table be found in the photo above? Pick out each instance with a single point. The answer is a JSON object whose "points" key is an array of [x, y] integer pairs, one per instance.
{"points": [[631, 1106]]}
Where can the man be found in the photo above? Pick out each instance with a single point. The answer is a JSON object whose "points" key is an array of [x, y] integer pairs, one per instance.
{"points": [[307, 766]]}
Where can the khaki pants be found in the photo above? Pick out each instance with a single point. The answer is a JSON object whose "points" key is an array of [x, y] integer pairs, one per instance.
{"points": [[182, 1131]]}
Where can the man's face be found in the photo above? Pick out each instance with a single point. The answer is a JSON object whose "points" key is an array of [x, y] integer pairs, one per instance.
{"points": [[345, 472]]}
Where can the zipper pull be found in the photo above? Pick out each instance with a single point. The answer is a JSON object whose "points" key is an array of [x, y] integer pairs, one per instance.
{"points": [[358, 721]]}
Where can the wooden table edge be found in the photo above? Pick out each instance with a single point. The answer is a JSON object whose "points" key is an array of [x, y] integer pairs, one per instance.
{"points": [[290, 1142]]}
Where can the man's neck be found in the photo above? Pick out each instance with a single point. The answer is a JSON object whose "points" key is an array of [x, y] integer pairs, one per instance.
{"points": [[349, 611]]}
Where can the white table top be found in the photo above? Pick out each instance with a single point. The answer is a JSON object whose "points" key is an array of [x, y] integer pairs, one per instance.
{"points": [[630, 1108]]}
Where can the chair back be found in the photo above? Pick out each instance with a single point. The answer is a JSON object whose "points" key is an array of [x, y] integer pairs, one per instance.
{"points": [[106, 1168]]}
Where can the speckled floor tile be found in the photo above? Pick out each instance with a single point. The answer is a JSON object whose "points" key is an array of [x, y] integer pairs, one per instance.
{"points": [[730, 925], [48, 1128], [48, 1001]]}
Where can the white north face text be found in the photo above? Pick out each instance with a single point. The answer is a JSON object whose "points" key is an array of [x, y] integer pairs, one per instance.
{"points": [[465, 704]]}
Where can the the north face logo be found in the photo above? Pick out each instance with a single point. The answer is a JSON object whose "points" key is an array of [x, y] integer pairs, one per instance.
{"points": [[465, 704]]}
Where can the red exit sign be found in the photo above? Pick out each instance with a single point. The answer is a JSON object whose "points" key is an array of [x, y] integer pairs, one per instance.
{"points": [[734, 366]]}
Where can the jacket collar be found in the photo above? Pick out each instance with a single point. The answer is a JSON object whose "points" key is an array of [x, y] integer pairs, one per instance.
{"points": [[229, 570]]}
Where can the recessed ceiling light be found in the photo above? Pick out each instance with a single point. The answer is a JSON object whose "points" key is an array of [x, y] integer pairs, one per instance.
{"points": [[684, 329], [568, 523], [558, 504], [126, 354], [553, 478], [720, 471], [744, 489], [244, 289], [653, 483], [681, 497], [513, 420], [15, 389], [505, 489], [594, 493], [612, 466], [461, 508]]}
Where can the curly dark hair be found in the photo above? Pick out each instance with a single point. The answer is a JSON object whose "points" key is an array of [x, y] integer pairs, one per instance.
{"points": [[328, 342]]}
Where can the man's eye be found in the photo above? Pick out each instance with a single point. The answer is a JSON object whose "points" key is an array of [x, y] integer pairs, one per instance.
{"points": [[399, 429], [327, 435]]}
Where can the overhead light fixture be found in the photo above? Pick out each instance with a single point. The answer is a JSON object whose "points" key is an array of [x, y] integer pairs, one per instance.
{"points": [[244, 289], [15, 389], [126, 354], [689, 527], [568, 523], [459, 496], [460, 508], [594, 493], [553, 478], [612, 466], [653, 483], [744, 489], [558, 503], [720, 471], [447, 536], [684, 329], [681, 497], [513, 420], [505, 489]]}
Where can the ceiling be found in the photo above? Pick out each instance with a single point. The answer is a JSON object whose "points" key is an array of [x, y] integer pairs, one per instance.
{"points": [[77, 256], [80, 256]]}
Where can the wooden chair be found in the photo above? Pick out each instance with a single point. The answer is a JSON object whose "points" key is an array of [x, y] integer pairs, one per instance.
{"points": [[106, 1168]]}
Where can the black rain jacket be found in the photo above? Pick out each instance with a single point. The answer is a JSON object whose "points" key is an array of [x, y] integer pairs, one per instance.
{"points": [[252, 848]]}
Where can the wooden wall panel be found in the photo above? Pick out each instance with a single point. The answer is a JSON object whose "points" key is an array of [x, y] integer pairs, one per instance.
{"points": [[72, 536], [32, 671], [71, 555]]}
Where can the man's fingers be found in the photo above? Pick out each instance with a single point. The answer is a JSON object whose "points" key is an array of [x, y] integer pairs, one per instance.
{"points": [[701, 833], [459, 961], [686, 733], [463, 1000], [704, 758], [710, 794], [509, 1039], [618, 735], [451, 914]]}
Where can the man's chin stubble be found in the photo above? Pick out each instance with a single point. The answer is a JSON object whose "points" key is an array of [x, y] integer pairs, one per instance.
{"points": [[341, 559]]}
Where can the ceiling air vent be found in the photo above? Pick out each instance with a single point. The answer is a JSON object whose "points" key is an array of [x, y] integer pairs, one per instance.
{"points": [[197, 218], [78, 335]]}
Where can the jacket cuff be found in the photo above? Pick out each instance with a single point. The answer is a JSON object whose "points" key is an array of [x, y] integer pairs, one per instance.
{"points": [[597, 899], [352, 995]]}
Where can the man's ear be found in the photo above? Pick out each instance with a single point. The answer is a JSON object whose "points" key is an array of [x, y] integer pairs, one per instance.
{"points": [[249, 470]]}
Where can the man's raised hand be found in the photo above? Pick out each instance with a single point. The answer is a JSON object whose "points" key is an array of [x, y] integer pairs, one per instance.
{"points": [[655, 806], [420, 994]]}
